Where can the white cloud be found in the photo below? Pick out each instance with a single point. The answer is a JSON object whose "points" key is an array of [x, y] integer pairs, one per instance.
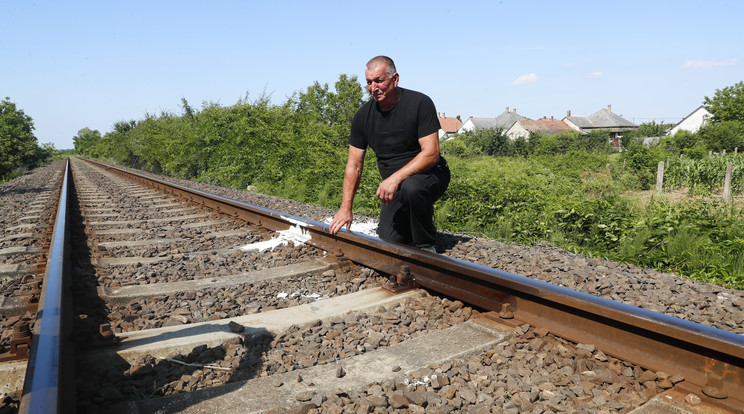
{"points": [[595, 75], [525, 79], [710, 64]]}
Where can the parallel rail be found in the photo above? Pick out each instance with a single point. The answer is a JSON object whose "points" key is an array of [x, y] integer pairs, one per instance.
{"points": [[710, 359]]}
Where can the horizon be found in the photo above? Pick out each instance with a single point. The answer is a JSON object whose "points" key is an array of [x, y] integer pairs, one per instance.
{"points": [[89, 64]]}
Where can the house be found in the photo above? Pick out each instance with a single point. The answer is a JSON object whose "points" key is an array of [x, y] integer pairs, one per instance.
{"points": [[693, 122], [504, 121], [602, 119], [448, 126], [544, 126]]}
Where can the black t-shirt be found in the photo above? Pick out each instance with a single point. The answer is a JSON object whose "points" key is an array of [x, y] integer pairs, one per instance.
{"points": [[393, 135]]}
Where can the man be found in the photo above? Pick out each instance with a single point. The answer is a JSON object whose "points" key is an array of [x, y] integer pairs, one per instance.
{"points": [[400, 125]]}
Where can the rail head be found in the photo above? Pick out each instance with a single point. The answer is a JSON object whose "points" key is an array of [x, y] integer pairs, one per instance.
{"points": [[47, 387]]}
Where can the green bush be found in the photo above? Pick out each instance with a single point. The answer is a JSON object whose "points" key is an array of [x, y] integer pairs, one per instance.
{"points": [[695, 153], [680, 142], [724, 135]]}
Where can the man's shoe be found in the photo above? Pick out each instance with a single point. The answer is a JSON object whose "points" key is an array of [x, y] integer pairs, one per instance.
{"points": [[429, 248]]}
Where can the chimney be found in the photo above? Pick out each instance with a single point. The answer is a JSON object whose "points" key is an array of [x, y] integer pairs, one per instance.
{"points": [[442, 115], [551, 118], [609, 108], [514, 110], [507, 109], [568, 113]]}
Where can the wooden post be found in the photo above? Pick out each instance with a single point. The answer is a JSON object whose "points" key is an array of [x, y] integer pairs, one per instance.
{"points": [[727, 182], [710, 154], [660, 177], [623, 172], [723, 153]]}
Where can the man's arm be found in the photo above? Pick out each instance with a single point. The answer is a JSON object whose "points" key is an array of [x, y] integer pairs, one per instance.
{"points": [[352, 176], [425, 160]]}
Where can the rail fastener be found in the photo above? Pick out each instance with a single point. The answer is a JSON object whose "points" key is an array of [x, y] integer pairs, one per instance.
{"points": [[20, 343]]}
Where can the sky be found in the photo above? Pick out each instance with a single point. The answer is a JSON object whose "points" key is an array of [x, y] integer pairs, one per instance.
{"points": [[76, 64]]}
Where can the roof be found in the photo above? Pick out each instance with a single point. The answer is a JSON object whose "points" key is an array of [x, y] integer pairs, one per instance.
{"points": [[505, 120], [545, 126], [450, 124], [601, 119], [580, 121], [484, 123]]}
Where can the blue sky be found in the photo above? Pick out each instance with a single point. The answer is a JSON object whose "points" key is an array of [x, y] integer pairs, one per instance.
{"points": [[79, 64]]}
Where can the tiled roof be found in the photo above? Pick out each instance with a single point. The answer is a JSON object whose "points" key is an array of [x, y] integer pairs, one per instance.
{"points": [[601, 119], [484, 123], [606, 119], [580, 121], [545, 126], [449, 124], [507, 119]]}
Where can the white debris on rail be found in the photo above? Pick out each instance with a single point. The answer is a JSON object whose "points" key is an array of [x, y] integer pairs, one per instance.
{"points": [[368, 227], [296, 234]]}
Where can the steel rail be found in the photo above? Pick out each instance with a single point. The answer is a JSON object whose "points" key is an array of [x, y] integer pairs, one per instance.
{"points": [[47, 387], [710, 359]]}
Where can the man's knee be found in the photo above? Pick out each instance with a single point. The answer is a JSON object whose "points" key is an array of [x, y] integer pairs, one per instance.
{"points": [[413, 188]]}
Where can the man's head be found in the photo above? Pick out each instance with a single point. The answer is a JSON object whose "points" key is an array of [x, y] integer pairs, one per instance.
{"points": [[382, 81]]}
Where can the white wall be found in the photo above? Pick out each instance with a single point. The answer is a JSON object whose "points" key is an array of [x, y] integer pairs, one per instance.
{"points": [[517, 130], [693, 122], [467, 126]]}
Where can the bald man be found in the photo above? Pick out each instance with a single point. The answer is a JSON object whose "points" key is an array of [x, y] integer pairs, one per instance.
{"points": [[400, 125]]}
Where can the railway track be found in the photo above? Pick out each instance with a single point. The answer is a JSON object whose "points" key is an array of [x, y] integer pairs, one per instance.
{"points": [[189, 302]]}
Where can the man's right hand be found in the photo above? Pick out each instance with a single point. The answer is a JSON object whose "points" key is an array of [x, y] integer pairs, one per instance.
{"points": [[341, 219]]}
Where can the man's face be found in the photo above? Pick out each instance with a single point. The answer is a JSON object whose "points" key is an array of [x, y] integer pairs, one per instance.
{"points": [[381, 85]]}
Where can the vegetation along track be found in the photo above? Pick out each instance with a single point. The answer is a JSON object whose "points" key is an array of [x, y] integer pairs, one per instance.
{"points": [[189, 301]]}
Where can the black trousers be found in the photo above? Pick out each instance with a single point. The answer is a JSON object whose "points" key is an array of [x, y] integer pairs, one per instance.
{"points": [[409, 217]]}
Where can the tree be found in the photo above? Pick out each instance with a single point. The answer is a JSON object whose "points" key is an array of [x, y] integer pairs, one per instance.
{"points": [[85, 139], [496, 143], [727, 104], [597, 140], [333, 109], [346, 101], [723, 135], [18, 145]]}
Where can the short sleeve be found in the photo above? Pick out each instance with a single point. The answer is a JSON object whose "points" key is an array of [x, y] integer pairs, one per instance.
{"points": [[428, 120], [358, 135]]}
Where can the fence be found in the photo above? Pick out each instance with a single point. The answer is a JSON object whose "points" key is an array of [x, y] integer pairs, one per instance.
{"points": [[718, 172]]}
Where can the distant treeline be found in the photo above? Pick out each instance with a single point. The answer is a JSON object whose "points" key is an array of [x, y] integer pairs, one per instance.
{"points": [[19, 148]]}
